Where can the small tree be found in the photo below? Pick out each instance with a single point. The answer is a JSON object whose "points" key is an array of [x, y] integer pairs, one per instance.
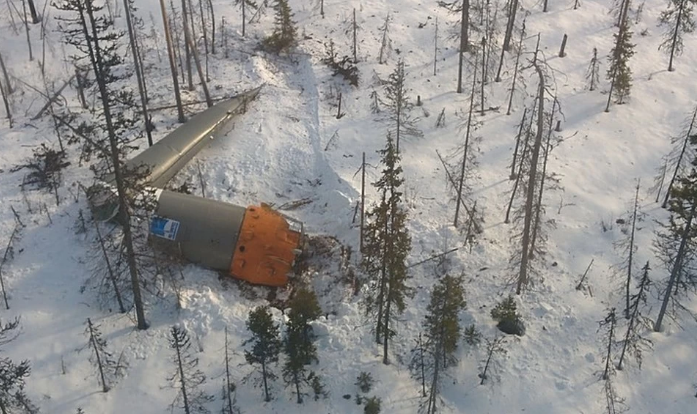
{"points": [[107, 367], [493, 347], [677, 20], [507, 316], [298, 344], [386, 42], [372, 405], [593, 73], [13, 399], [627, 247], [284, 32], [266, 345], [634, 341], [619, 73], [442, 335], [399, 106], [187, 378], [229, 387]]}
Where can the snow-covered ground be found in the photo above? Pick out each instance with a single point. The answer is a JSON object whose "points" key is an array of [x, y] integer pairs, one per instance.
{"points": [[290, 146]]}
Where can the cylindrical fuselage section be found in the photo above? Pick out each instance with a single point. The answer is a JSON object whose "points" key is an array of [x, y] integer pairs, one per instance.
{"points": [[206, 231]]}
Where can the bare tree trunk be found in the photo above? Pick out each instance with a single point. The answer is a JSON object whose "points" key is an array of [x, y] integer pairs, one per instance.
{"points": [[7, 104], [355, 29], [510, 25], [204, 30], [523, 274], [9, 90], [138, 70], [201, 75], [515, 70], [244, 17], [466, 149], [628, 284], [187, 47], [483, 73], [435, 48], [610, 343], [172, 64], [517, 144], [519, 176], [110, 269], [675, 35], [464, 41], [210, 7], [538, 206], [26, 27], [362, 201], [228, 386]]}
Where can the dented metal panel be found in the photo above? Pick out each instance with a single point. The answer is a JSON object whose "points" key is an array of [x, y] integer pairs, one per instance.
{"points": [[205, 231]]}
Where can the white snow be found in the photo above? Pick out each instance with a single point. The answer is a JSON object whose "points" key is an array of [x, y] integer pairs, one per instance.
{"points": [[282, 150]]}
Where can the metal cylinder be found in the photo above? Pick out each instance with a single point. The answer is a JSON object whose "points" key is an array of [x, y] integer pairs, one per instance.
{"points": [[205, 231]]}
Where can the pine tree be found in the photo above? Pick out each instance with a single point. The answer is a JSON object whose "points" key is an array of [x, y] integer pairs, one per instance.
{"points": [[187, 378], [634, 341], [13, 399], [108, 368], [298, 344], [619, 73], [677, 21], [93, 35], [442, 335], [399, 106], [386, 247], [284, 32], [266, 345]]}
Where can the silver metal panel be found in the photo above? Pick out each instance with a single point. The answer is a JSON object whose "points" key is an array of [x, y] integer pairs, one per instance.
{"points": [[206, 230], [169, 155]]}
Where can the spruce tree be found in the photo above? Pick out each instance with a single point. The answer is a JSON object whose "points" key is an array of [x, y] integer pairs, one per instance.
{"points": [[265, 345], [677, 21], [284, 32], [187, 378], [386, 247], [592, 74], [679, 160], [298, 344], [442, 333], [398, 115], [13, 398], [619, 73]]}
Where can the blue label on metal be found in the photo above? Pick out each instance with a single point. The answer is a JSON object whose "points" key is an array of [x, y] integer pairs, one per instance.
{"points": [[163, 227]]}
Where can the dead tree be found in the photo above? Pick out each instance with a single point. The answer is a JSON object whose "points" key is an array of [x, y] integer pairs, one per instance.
{"points": [[493, 347], [8, 85], [510, 25], [201, 75], [517, 144], [172, 62], [634, 342], [6, 102], [515, 70], [680, 158], [628, 247], [187, 45], [138, 69], [7, 255], [531, 186], [386, 42], [466, 148]]}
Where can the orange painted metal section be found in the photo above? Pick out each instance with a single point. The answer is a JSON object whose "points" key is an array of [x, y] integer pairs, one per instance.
{"points": [[265, 248]]}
